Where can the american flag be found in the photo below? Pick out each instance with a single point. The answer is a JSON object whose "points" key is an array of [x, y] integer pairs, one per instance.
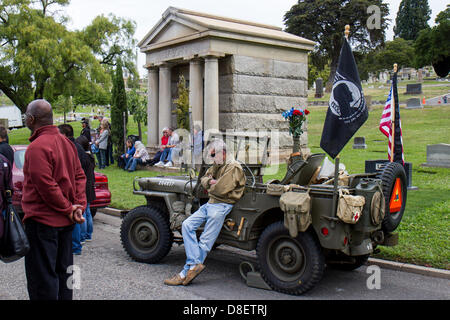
{"points": [[386, 124]]}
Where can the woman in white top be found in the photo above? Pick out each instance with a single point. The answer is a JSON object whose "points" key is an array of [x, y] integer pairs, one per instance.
{"points": [[140, 156]]}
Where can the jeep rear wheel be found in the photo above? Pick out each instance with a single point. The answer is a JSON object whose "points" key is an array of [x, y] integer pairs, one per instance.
{"points": [[145, 234], [289, 265], [395, 189]]}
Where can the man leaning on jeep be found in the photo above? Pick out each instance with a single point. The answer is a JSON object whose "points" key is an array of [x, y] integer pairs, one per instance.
{"points": [[225, 183]]}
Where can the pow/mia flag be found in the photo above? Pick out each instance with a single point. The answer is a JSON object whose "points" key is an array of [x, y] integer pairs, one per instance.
{"points": [[347, 110]]}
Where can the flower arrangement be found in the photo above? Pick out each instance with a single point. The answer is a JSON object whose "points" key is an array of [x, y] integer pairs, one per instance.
{"points": [[296, 118]]}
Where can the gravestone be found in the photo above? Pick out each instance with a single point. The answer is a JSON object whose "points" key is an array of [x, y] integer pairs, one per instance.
{"points": [[377, 166], [359, 143], [438, 155], [414, 88], [319, 88], [414, 103]]}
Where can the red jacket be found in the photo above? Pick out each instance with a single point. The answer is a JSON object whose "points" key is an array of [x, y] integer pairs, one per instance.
{"points": [[53, 178]]}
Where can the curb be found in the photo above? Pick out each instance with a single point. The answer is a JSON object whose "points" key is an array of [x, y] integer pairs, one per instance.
{"points": [[393, 265], [412, 268]]}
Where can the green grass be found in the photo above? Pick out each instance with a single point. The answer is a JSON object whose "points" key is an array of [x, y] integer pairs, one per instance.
{"points": [[424, 234]]}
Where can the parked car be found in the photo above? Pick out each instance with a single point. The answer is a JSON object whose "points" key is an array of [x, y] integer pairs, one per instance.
{"points": [[102, 193]]}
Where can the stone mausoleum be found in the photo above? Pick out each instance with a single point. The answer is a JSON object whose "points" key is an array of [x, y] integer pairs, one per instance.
{"points": [[241, 75]]}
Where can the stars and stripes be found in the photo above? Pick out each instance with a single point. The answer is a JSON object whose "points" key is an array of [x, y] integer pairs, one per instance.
{"points": [[391, 114]]}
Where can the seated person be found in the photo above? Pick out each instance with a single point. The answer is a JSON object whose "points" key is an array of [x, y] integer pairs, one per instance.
{"points": [[164, 141], [166, 155], [124, 158], [140, 157]]}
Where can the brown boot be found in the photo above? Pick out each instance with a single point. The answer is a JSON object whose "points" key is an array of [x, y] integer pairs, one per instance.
{"points": [[192, 274], [176, 280]]}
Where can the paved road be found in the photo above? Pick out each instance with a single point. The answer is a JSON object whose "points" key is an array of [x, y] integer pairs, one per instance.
{"points": [[107, 273]]}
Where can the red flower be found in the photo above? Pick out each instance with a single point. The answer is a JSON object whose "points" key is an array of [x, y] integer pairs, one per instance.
{"points": [[297, 113], [306, 111]]}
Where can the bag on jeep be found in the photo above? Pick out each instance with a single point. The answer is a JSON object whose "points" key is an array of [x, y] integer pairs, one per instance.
{"points": [[296, 207], [276, 189], [350, 207]]}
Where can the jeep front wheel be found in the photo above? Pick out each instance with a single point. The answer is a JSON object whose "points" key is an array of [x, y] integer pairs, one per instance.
{"points": [[289, 265], [145, 234]]}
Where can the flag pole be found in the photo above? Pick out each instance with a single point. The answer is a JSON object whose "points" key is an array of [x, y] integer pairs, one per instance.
{"points": [[338, 157], [393, 118]]}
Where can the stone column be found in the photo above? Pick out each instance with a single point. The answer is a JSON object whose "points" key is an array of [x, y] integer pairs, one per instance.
{"points": [[153, 107], [165, 98], [211, 107], [196, 91]]}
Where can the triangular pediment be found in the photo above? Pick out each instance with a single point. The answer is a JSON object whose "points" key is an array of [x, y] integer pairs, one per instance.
{"points": [[170, 27]]}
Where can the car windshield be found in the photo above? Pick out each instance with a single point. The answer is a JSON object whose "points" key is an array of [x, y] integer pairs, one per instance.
{"points": [[19, 158]]}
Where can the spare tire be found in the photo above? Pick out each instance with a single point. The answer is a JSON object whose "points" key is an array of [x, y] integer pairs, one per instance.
{"points": [[394, 186]]}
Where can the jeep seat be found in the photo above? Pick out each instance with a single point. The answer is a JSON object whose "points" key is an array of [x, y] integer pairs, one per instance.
{"points": [[302, 171]]}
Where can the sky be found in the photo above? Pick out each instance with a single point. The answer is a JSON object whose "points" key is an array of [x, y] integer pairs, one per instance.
{"points": [[146, 13]]}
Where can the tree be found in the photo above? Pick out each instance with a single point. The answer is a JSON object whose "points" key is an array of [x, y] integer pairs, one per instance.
{"points": [[41, 58], [137, 105], [324, 22], [431, 46], [412, 16], [398, 51], [118, 108], [182, 104]]}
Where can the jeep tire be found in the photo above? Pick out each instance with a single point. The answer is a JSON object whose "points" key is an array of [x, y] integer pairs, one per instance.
{"points": [[289, 265], [145, 234], [391, 172]]}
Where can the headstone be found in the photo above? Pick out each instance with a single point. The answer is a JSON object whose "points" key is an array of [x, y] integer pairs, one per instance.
{"points": [[376, 166], [414, 103], [359, 143], [438, 155], [420, 75], [414, 88], [319, 88]]}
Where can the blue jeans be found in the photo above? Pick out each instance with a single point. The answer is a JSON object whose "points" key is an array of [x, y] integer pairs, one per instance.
{"points": [[213, 214], [87, 227], [102, 163], [166, 155], [132, 163], [76, 239]]}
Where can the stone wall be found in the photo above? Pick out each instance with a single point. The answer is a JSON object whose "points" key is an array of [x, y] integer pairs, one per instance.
{"points": [[253, 92]]}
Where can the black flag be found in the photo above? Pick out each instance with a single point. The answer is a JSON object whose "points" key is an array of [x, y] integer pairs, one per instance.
{"points": [[347, 110]]}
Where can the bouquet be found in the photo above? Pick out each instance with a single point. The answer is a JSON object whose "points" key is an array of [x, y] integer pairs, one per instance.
{"points": [[296, 118]]}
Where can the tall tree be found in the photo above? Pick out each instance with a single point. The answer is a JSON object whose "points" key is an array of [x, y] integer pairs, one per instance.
{"points": [[41, 58], [431, 45], [412, 16], [182, 103], [137, 105], [118, 109], [324, 22]]}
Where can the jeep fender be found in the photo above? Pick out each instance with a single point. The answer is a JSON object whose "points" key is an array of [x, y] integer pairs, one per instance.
{"points": [[168, 198]]}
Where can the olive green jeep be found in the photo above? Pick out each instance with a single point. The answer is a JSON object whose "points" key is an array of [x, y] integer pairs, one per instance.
{"points": [[297, 225]]}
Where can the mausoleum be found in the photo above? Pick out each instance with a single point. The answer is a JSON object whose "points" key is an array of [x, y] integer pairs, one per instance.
{"points": [[241, 75]]}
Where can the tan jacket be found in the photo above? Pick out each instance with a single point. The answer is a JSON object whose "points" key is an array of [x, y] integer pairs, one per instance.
{"points": [[230, 182]]}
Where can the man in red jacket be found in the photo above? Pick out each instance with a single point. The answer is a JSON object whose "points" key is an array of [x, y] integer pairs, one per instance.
{"points": [[53, 200]]}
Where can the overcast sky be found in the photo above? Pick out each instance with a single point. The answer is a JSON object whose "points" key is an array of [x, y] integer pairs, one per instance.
{"points": [[146, 13]]}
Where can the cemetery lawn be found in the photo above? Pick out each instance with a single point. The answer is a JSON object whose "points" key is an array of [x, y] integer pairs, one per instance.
{"points": [[424, 233]]}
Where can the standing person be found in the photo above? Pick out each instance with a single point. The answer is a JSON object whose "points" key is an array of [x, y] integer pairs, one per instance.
{"points": [[53, 200], [225, 183], [140, 157], [87, 227], [102, 143], [67, 131], [86, 131], [109, 149], [5, 148]]}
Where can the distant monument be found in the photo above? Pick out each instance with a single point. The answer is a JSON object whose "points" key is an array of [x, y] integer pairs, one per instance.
{"points": [[319, 88], [438, 155]]}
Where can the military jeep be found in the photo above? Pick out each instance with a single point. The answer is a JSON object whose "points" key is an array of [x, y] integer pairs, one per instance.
{"points": [[292, 246]]}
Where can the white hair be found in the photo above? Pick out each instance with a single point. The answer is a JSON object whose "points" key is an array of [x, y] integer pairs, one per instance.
{"points": [[217, 145]]}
